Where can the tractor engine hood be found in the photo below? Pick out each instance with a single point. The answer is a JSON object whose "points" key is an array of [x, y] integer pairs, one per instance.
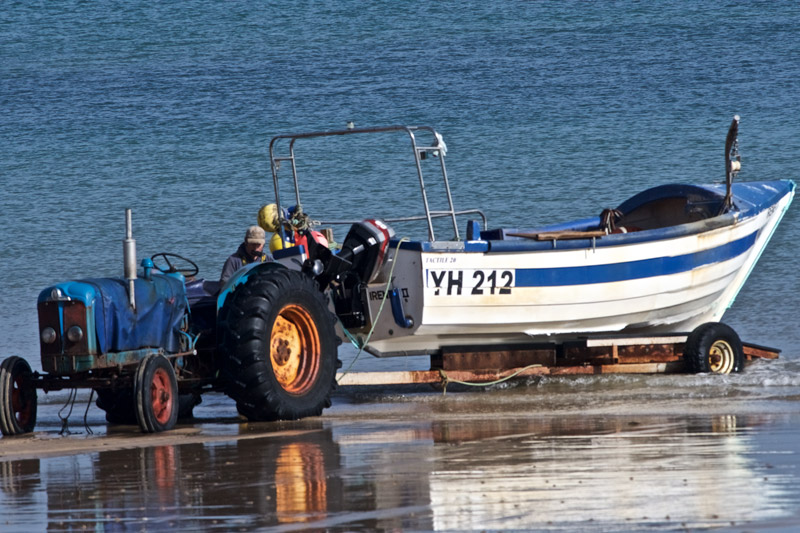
{"points": [[111, 325]]}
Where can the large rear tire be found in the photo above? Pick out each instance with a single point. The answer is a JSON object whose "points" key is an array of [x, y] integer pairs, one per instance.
{"points": [[18, 402], [714, 348], [156, 394], [278, 346]]}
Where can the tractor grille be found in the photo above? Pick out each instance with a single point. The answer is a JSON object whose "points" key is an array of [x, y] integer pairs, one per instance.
{"points": [[61, 315]]}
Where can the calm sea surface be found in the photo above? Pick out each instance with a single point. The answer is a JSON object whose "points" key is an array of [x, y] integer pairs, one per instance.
{"points": [[550, 111]]}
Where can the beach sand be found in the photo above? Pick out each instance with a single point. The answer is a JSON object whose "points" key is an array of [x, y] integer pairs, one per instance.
{"points": [[661, 453]]}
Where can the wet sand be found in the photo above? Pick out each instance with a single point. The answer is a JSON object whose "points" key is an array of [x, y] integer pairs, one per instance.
{"points": [[656, 453]]}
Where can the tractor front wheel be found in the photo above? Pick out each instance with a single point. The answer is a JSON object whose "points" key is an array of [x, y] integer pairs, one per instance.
{"points": [[18, 398], [156, 394]]}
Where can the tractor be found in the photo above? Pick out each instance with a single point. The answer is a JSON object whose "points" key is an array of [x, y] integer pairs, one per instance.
{"points": [[151, 343]]}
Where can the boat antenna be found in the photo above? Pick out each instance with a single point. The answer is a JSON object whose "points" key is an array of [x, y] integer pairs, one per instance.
{"points": [[733, 161]]}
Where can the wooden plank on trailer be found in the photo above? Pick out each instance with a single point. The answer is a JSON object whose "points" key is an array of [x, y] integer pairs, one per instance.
{"points": [[575, 353], [495, 357], [629, 341], [433, 376], [388, 378], [483, 376], [623, 350], [754, 350], [650, 353], [643, 368]]}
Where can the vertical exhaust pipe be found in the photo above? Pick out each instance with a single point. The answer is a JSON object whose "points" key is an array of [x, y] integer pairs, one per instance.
{"points": [[129, 258]]}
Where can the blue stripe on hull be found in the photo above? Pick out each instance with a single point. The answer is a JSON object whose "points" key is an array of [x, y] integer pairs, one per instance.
{"points": [[646, 268]]}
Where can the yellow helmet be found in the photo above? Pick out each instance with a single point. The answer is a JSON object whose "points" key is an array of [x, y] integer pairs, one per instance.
{"points": [[275, 243], [268, 217]]}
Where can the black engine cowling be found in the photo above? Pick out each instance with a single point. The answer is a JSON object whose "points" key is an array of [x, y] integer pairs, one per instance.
{"points": [[357, 263]]}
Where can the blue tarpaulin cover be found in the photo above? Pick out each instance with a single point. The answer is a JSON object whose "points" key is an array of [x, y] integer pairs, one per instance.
{"points": [[160, 306]]}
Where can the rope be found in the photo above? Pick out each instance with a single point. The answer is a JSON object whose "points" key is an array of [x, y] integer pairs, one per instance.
{"points": [[446, 380], [86, 414], [357, 342], [73, 394]]}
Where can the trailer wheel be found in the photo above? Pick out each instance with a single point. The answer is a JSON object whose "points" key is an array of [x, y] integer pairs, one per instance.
{"points": [[714, 347], [18, 398], [156, 394], [278, 346]]}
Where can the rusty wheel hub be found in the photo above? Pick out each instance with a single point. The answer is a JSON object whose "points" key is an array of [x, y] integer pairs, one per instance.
{"points": [[295, 349]]}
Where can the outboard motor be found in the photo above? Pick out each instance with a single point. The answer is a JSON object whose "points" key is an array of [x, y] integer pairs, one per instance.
{"points": [[365, 248], [362, 253], [357, 263]]}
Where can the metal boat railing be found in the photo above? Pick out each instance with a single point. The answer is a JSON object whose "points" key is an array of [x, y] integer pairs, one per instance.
{"points": [[436, 148]]}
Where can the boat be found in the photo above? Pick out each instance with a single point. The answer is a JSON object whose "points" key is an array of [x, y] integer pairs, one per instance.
{"points": [[666, 260]]}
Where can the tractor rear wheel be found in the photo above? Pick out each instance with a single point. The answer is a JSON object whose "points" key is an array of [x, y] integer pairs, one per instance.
{"points": [[278, 346], [156, 394], [18, 402]]}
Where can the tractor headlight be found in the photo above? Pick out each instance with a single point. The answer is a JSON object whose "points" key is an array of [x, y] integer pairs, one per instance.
{"points": [[48, 335], [75, 333]]}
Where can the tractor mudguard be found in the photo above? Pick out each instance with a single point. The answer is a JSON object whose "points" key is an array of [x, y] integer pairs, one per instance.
{"points": [[241, 276]]}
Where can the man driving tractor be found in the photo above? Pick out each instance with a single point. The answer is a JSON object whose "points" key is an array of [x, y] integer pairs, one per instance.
{"points": [[250, 251]]}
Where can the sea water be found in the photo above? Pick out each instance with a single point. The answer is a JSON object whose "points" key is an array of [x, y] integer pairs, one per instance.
{"points": [[550, 111]]}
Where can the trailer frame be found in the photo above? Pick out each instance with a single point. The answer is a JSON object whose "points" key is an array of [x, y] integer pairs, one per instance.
{"points": [[485, 364]]}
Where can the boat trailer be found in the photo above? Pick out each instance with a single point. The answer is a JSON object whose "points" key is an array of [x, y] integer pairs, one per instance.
{"points": [[485, 365]]}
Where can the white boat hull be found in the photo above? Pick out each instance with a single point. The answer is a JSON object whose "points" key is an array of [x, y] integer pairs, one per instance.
{"points": [[456, 294]]}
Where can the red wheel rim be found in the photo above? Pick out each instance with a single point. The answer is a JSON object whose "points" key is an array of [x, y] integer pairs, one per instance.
{"points": [[161, 396], [22, 408]]}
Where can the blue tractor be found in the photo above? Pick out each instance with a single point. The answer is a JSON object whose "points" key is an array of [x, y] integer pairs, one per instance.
{"points": [[151, 343]]}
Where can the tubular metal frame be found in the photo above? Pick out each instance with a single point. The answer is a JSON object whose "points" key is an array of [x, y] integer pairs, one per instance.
{"points": [[419, 152]]}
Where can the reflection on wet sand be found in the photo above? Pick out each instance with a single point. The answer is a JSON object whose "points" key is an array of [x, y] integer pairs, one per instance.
{"points": [[608, 473], [621, 473], [300, 490]]}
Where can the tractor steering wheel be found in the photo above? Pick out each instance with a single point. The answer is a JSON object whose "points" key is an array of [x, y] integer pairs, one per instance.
{"points": [[186, 271]]}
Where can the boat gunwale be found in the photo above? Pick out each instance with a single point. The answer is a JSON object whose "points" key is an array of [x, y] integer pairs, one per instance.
{"points": [[748, 210]]}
